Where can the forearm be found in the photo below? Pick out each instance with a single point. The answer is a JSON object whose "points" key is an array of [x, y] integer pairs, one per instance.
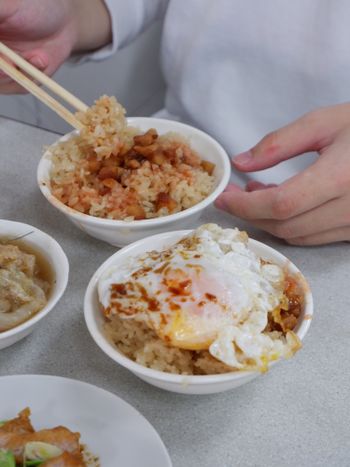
{"points": [[92, 22]]}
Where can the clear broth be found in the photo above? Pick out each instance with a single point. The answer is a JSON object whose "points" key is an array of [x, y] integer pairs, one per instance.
{"points": [[43, 269]]}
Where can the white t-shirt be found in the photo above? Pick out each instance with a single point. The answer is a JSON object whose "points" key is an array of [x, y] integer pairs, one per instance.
{"points": [[239, 69]]}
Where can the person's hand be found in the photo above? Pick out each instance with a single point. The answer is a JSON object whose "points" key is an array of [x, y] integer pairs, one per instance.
{"points": [[42, 31], [46, 32], [312, 207]]}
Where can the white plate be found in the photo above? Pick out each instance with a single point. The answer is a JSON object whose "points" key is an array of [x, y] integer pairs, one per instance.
{"points": [[111, 428]]}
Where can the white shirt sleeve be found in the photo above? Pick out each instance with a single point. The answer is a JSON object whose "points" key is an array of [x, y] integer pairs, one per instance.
{"points": [[129, 18]]}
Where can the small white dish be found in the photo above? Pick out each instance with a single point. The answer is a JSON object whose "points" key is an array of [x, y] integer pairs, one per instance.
{"points": [[58, 262], [207, 384], [121, 233], [112, 429]]}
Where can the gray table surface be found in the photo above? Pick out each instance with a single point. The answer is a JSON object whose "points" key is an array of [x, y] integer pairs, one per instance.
{"points": [[296, 415]]}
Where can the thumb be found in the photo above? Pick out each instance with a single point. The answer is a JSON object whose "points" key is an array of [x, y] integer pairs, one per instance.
{"points": [[303, 135], [37, 57]]}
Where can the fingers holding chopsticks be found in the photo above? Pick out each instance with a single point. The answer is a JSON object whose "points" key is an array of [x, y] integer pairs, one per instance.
{"points": [[25, 75], [36, 58]]}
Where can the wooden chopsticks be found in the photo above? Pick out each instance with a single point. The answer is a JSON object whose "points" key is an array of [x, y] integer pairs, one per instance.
{"points": [[36, 90]]}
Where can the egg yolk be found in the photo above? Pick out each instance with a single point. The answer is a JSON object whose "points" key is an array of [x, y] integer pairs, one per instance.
{"points": [[198, 305]]}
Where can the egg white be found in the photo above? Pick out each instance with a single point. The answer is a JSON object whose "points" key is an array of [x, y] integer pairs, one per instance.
{"points": [[223, 307]]}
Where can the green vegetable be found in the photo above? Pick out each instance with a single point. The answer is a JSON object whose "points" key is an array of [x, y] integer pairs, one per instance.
{"points": [[2, 422], [35, 452], [7, 459]]}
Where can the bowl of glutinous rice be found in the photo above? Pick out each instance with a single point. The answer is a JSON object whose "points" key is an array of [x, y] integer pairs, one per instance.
{"points": [[121, 180], [198, 312]]}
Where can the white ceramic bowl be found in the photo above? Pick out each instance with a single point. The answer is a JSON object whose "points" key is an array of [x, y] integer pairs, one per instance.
{"points": [[121, 233], [56, 258], [171, 382]]}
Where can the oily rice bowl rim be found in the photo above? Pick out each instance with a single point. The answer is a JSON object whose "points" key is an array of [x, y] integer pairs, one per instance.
{"points": [[94, 319], [221, 160]]}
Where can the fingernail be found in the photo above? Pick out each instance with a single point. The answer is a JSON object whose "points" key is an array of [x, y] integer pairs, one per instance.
{"points": [[243, 159], [38, 62], [254, 186], [230, 188], [220, 203]]}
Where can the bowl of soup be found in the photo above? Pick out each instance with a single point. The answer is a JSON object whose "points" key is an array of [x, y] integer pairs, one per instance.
{"points": [[33, 277]]}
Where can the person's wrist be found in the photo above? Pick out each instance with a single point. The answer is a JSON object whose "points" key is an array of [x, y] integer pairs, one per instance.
{"points": [[92, 25]]}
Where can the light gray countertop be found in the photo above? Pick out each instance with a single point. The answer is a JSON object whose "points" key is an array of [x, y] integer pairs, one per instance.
{"points": [[296, 415]]}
